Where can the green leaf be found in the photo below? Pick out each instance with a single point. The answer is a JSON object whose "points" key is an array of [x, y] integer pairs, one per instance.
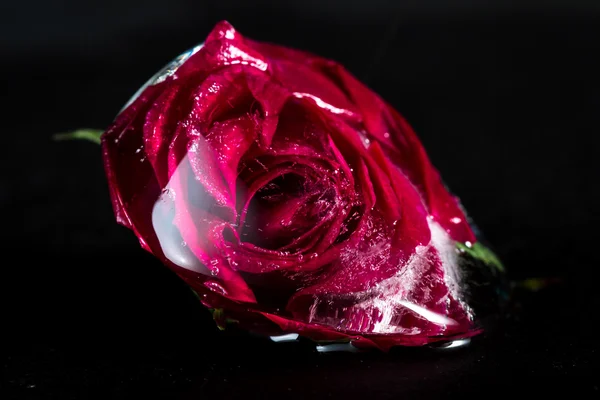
{"points": [[536, 284], [482, 253], [93, 135]]}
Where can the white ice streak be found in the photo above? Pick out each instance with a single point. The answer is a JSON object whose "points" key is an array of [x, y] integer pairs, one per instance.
{"points": [[383, 301]]}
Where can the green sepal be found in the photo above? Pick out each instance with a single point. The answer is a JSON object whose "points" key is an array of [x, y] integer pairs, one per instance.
{"points": [[196, 294], [92, 135], [482, 253], [220, 319]]}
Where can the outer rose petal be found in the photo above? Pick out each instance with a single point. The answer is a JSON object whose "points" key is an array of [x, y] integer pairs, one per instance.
{"points": [[204, 236], [268, 323], [132, 194], [404, 148]]}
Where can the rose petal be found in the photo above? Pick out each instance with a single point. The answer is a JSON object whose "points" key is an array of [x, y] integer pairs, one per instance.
{"points": [[223, 47], [202, 232], [229, 142], [132, 184], [159, 127], [296, 71], [207, 171], [221, 93], [404, 148], [272, 98]]}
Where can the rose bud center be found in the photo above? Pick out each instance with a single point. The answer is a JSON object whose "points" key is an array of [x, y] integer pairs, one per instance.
{"points": [[285, 209]]}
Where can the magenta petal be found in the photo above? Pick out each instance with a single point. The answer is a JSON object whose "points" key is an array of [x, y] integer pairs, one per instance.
{"points": [[223, 47], [296, 71], [132, 183], [229, 142], [207, 170], [344, 167], [395, 305], [262, 180], [159, 128], [445, 208], [366, 185], [272, 97], [203, 235], [412, 221], [405, 149], [218, 94]]}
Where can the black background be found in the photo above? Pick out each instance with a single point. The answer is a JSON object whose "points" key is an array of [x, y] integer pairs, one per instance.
{"points": [[504, 95]]}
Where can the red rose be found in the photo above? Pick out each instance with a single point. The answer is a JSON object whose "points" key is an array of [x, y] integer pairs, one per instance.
{"points": [[290, 197]]}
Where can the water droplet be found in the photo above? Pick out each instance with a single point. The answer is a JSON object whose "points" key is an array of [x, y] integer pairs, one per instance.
{"points": [[454, 344], [335, 347], [290, 337], [167, 194], [215, 287]]}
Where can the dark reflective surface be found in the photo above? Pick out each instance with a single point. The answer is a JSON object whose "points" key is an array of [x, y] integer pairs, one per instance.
{"points": [[87, 314], [124, 355]]}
